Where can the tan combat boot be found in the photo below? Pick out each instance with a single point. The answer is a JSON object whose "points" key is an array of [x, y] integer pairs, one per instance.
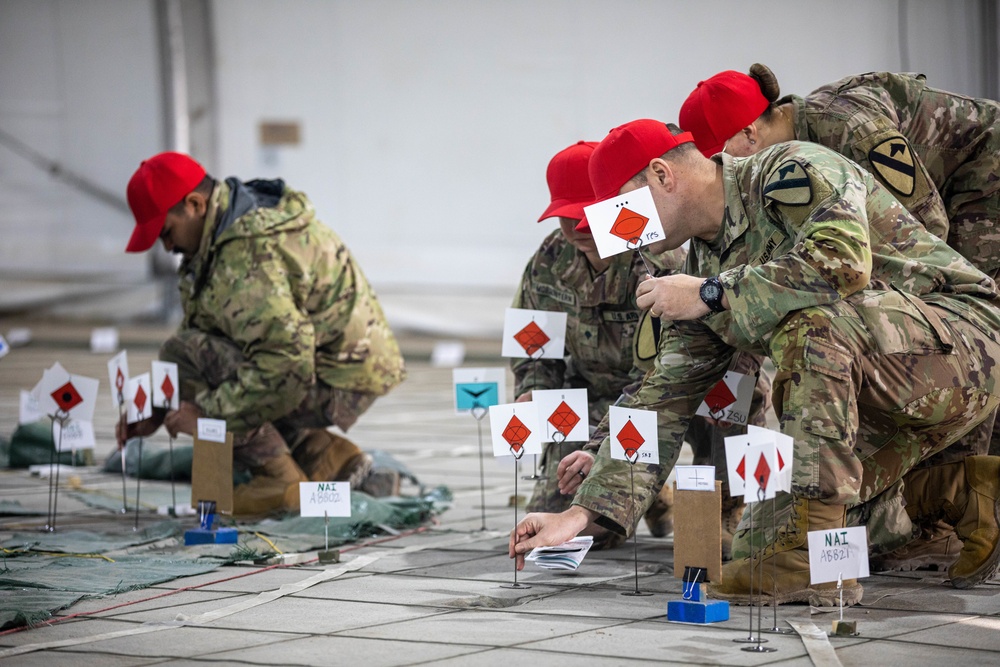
{"points": [[784, 565], [327, 457], [936, 548], [660, 515], [274, 487], [966, 494], [732, 512]]}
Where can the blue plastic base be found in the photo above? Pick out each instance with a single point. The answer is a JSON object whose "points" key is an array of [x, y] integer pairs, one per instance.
{"points": [[685, 611], [216, 536]]}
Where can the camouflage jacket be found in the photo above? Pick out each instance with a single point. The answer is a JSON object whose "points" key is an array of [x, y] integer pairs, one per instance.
{"points": [[601, 323], [284, 288], [935, 151], [802, 227]]}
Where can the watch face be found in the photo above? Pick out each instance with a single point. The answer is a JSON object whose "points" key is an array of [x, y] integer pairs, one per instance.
{"points": [[710, 291]]}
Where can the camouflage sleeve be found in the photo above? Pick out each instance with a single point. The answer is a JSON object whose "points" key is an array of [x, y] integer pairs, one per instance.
{"points": [[691, 360], [256, 309], [531, 374], [820, 203], [891, 160]]}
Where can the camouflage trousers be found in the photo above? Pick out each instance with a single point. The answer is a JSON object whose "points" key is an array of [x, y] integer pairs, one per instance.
{"points": [[205, 361], [869, 388]]}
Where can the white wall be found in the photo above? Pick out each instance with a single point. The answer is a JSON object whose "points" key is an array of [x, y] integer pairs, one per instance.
{"points": [[427, 124], [78, 84]]}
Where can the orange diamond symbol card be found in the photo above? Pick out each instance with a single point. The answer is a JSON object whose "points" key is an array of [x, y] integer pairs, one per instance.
{"points": [[785, 454], [633, 435], [629, 225], [535, 334], [564, 413], [165, 385], [729, 400], [625, 222], [514, 429], [758, 452], [563, 419], [760, 481], [137, 393], [516, 434], [532, 339]]}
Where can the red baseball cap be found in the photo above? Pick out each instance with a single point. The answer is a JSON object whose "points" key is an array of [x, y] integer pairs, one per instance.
{"points": [[569, 184], [720, 107], [156, 186], [626, 151]]}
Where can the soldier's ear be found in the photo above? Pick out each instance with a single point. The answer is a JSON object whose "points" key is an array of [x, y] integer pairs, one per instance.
{"points": [[662, 175], [197, 203]]}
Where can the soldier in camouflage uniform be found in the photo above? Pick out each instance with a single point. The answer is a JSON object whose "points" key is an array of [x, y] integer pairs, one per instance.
{"points": [[282, 335], [568, 275], [883, 339], [937, 152]]}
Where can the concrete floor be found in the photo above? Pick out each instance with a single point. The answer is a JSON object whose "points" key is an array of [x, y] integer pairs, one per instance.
{"points": [[436, 596]]}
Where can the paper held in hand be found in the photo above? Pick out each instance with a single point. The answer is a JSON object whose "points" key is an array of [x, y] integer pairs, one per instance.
{"points": [[566, 556]]}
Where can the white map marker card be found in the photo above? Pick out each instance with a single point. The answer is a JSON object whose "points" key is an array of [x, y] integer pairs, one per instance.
{"points": [[138, 398], [729, 400], [740, 467], [784, 444], [165, 385], [478, 388], [212, 430], [625, 222], [695, 478], [118, 377], [72, 395], [534, 334], [77, 435], [515, 431], [633, 435], [761, 469], [838, 552], [325, 498], [563, 414]]}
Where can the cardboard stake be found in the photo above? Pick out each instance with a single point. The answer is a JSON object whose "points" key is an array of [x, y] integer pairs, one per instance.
{"points": [[212, 473]]}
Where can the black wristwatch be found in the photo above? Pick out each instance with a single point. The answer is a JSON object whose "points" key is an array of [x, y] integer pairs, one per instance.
{"points": [[711, 293]]}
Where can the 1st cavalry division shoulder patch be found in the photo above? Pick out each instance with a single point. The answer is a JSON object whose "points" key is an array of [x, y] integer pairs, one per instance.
{"points": [[789, 184], [647, 338], [892, 161]]}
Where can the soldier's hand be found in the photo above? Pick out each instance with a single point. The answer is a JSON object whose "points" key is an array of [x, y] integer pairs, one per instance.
{"points": [[546, 530], [143, 428], [183, 420], [523, 398], [572, 470], [675, 297]]}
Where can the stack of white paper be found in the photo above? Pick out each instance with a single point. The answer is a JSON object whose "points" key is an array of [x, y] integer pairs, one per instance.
{"points": [[566, 556]]}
